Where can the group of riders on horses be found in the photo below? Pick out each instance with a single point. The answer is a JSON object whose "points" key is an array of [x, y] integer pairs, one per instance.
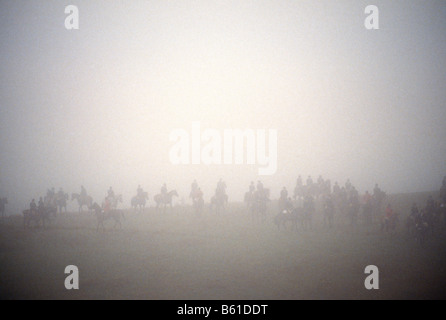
{"points": [[345, 199], [257, 198], [46, 206], [52, 201], [422, 222], [164, 198]]}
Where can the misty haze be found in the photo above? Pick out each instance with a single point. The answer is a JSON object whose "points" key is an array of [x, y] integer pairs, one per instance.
{"points": [[222, 149]]}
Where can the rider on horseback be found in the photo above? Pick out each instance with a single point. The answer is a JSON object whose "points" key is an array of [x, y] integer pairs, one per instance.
{"points": [[376, 191], [336, 189], [299, 182], [221, 188], [329, 210], [40, 206], [367, 198], [252, 188], [348, 185], [259, 186], [283, 200], [298, 189], [289, 204], [309, 205], [198, 196], [50, 198], [60, 194], [430, 205], [33, 207], [107, 204], [194, 186], [164, 191], [50, 193], [193, 190], [320, 184], [389, 211], [111, 193], [284, 194], [390, 214], [309, 181], [139, 192], [367, 207], [83, 194]]}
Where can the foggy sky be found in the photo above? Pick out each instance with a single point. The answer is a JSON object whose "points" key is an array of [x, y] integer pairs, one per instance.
{"points": [[95, 106]]}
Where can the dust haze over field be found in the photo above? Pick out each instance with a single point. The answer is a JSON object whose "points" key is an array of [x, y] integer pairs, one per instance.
{"points": [[96, 106]]}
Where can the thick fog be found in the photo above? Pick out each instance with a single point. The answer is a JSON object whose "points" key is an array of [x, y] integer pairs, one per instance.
{"points": [[97, 106]]}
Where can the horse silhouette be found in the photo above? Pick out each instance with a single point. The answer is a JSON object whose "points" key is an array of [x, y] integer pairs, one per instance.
{"points": [[61, 201], [219, 202], [139, 202], [261, 198], [102, 216], [38, 215], [82, 200], [293, 215], [116, 200], [164, 200]]}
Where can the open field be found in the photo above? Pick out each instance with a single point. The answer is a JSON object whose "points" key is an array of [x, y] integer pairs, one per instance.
{"points": [[177, 255]]}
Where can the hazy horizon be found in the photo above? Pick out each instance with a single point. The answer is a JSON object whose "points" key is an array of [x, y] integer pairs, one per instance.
{"points": [[95, 106]]}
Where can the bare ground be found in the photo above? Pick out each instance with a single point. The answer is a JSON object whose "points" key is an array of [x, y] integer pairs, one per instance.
{"points": [[177, 255]]}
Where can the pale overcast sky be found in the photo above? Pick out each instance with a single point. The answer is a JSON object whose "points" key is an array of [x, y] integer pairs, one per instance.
{"points": [[95, 106]]}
